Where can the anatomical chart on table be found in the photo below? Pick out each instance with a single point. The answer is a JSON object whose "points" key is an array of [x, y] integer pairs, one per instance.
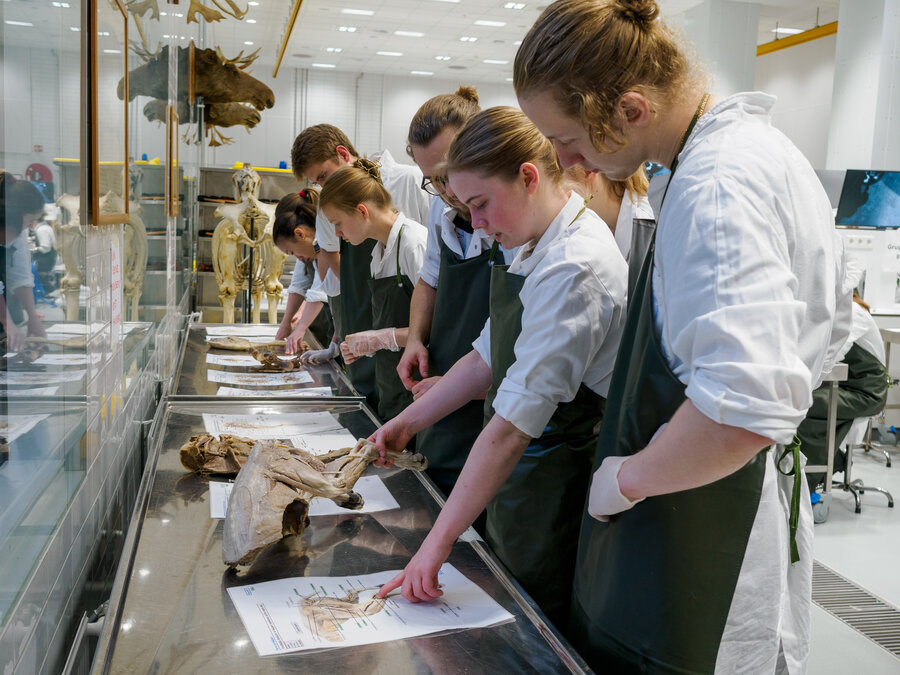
{"points": [[270, 427], [231, 360], [376, 497], [265, 332], [260, 379], [13, 426], [308, 392], [305, 613], [31, 378]]}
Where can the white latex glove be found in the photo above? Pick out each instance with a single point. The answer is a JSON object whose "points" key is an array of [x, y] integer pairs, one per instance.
{"points": [[370, 341], [316, 356], [606, 499]]}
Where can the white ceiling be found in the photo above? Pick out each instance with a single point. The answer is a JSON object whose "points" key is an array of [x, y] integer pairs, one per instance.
{"points": [[442, 22]]}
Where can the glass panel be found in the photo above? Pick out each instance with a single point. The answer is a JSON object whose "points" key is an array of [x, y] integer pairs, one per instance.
{"points": [[110, 124]]}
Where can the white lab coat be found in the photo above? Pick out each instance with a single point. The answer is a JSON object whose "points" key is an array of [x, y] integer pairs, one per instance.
{"points": [[573, 315], [412, 251], [746, 285], [633, 206], [441, 228]]}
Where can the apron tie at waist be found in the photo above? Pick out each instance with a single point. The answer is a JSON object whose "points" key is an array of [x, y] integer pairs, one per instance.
{"points": [[794, 521]]}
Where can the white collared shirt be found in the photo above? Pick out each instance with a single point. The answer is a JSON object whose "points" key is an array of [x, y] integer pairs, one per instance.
{"points": [[18, 266], [574, 313], [402, 181], [633, 206], [747, 272], [412, 251], [309, 285], [441, 228]]}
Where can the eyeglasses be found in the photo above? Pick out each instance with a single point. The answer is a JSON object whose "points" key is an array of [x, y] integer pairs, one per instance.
{"points": [[429, 187]]}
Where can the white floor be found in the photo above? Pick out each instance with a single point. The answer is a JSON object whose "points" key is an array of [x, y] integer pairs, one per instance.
{"points": [[865, 548]]}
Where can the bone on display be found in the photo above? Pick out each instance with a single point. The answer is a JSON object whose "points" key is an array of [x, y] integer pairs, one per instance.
{"points": [[206, 454], [239, 344], [271, 363], [305, 613], [271, 495]]}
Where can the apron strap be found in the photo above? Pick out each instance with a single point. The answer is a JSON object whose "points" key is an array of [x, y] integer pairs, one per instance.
{"points": [[794, 449], [493, 253], [399, 239]]}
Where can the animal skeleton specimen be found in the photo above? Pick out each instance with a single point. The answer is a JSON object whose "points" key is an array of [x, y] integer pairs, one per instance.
{"points": [[134, 249], [325, 615], [239, 344], [272, 364], [206, 454], [231, 96], [70, 243], [247, 223], [270, 498]]}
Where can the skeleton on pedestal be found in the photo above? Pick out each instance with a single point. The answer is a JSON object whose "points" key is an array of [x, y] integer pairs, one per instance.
{"points": [[70, 243], [249, 222]]}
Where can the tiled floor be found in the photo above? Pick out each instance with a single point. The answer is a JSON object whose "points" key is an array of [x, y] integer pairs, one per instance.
{"points": [[865, 548]]}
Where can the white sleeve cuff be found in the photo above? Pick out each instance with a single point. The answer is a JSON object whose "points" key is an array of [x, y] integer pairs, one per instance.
{"points": [[525, 410], [482, 343]]}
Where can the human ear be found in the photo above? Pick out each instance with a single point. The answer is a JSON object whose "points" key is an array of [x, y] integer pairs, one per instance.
{"points": [[364, 210], [343, 153], [635, 108], [530, 176], [298, 233]]}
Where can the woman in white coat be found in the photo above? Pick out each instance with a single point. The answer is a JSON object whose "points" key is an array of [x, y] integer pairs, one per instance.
{"points": [[694, 557]]}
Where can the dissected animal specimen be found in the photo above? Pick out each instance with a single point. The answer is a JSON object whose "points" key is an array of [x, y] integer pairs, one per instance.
{"points": [[206, 454], [230, 94], [239, 344], [24, 358], [247, 223], [270, 498], [272, 364], [325, 615]]}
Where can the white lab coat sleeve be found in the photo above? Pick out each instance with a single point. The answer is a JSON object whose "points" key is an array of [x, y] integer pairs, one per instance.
{"points": [[431, 268], [19, 273], [317, 292], [566, 317], [412, 250], [326, 236], [731, 315], [482, 343], [301, 280]]}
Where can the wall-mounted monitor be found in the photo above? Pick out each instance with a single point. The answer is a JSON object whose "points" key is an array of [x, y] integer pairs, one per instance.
{"points": [[870, 199]]}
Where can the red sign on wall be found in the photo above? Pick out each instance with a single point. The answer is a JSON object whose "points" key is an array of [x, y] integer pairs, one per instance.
{"points": [[38, 148]]}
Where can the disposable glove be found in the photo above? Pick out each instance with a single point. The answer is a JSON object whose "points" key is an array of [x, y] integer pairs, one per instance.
{"points": [[606, 499], [370, 341], [316, 356]]}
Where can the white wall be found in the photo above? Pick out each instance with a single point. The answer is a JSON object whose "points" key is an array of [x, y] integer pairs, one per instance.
{"points": [[802, 77]]}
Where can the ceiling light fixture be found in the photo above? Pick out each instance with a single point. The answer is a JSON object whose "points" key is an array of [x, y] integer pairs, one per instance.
{"points": [[333, 49], [517, 42], [492, 24], [358, 12], [787, 31], [495, 62], [466, 38], [389, 53], [253, 4], [112, 51], [420, 72], [75, 29], [63, 5], [322, 65], [246, 42], [251, 20], [19, 23], [514, 5], [347, 29], [446, 0], [441, 58], [408, 33]]}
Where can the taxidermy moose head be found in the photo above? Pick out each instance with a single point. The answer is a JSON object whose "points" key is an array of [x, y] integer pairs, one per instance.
{"points": [[231, 95]]}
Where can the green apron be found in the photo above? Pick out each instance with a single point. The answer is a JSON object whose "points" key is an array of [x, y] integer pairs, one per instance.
{"points": [[461, 307], [390, 309], [862, 394], [654, 585], [355, 308], [530, 523]]}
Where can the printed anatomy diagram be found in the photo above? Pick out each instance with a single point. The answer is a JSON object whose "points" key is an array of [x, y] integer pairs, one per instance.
{"points": [[325, 615]]}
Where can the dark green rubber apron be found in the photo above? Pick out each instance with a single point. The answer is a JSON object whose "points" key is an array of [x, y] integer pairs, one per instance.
{"points": [[390, 309], [355, 310], [461, 307], [654, 585], [530, 523]]}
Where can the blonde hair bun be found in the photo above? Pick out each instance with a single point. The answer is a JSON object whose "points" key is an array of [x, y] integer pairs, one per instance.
{"points": [[469, 93], [639, 12]]}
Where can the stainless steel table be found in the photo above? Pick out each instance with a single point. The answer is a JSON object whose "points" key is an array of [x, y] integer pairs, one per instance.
{"points": [[192, 378], [170, 611]]}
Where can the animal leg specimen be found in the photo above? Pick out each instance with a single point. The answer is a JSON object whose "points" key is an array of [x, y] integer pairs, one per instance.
{"points": [[206, 454]]}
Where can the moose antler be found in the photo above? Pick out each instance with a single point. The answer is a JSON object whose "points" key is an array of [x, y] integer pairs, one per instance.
{"points": [[241, 61], [140, 7], [143, 53], [209, 14], [234, 10]]}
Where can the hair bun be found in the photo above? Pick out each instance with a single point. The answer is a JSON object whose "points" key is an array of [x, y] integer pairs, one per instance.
{"points": [[639, 12], [468, 93]]}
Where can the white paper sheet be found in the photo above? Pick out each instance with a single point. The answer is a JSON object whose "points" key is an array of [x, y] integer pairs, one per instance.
{"points": [[294, 615], [306, 392], [270, 426], [40, 391], [231, 360], [27, 377], [371, 488], [317, 444], [13, 426], [67, 359], [260, 379], [56, 330], [243, 330]]}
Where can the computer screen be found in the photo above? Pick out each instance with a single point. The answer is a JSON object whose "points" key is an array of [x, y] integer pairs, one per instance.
{"points": [[870, 199]]}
